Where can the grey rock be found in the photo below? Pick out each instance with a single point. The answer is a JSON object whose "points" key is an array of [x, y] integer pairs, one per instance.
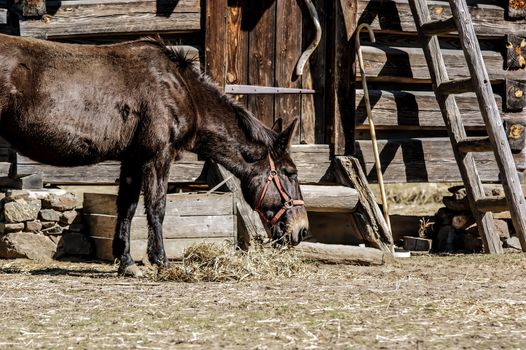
{"points": [[77, 244], [513, 242], [48, 224], [21, 210], [53, 231], [63, 202], [33, 226], [49, 215], [16, 227], [26, 245], [69, 217], [13, 195]]}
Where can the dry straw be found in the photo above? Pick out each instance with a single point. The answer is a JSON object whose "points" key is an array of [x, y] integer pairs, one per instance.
{"points": [[212, 262]]}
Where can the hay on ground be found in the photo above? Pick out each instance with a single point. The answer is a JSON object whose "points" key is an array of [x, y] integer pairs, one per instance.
{"points": [[212, 262]]}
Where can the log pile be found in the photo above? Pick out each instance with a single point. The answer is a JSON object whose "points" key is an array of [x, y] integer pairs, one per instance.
{"points": [[41, 225], [455, 229]]}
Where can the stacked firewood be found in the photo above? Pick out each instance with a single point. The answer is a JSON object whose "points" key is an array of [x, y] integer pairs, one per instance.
{"points": [[41, 225], [455, 229]]}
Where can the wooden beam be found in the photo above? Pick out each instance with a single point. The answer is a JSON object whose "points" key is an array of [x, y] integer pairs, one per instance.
{"points": [[422, 160], [394, 16], [343, 254], [330, 199], [408, 65], [370, 219], [114, 17]]}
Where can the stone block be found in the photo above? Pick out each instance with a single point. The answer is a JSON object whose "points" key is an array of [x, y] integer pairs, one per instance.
{"points": [[69, 217], [21, 210], [64, 202], [26, 245], [6, 228], [513, 242], [49, 215], [48, 224], [53, 231], [33, 226]]}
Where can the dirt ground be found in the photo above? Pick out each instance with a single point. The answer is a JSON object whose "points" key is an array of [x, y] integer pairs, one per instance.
{"points": [[426, 302]]}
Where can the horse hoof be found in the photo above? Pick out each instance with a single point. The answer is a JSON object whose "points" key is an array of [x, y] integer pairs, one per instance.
{"points": [[131, 271]]}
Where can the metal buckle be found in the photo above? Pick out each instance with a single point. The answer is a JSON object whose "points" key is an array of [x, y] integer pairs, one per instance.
{"points": [[289, 204], [273, 173]]}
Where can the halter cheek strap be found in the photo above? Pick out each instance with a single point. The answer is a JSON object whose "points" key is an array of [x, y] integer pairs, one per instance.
{"points": [[288, 203]]}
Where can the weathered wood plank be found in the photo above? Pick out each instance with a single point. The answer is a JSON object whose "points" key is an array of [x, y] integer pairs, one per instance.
{"points": [[408, 64], [174, 247], [261, 54], [394, 16], [180, 204], [312, 124], [236, 48], [343, 254], [422, 160], [331, 199], [79, 18], [370, 219], [414, 109], [288, 50], [215, 35], [103, 226]]}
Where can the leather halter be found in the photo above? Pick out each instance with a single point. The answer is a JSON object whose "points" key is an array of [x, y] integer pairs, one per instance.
{"points": [[288, 203]]}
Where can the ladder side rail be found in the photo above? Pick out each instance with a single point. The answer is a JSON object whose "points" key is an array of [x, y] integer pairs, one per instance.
{"points": [[491, 116], [455, 127]]}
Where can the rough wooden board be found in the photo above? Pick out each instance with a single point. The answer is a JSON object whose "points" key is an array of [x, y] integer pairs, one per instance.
{"points": [[395, 16], [78, 18], [173, 227], [343, 254], [376, 232], [236, 48], [422, 160], [174, 247], [215, 34], [333, 199], [408, 64], [261, 53], [414, 109], [184, 204]]}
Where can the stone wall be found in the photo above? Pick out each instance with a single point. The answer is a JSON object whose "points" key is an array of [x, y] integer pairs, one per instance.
{"points": [[41, 225]]}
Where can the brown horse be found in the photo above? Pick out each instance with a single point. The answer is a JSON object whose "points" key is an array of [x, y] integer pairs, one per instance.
{"points": [[142, 104]]}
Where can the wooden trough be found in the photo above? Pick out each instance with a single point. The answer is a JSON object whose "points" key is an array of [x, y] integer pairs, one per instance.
{"points": [[190, 218]]}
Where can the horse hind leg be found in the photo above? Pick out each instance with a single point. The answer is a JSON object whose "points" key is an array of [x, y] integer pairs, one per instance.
{"points": [[155, 187], [129, 191]]}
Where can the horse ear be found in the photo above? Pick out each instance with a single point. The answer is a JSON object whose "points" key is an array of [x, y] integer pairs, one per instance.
{"points": [[285, 137], [278, 125]]}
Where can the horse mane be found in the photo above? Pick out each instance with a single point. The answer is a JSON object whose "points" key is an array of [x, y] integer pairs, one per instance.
{"points": [[252, 126]]}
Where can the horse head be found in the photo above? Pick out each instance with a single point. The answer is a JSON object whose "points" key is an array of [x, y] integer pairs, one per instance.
{"points": [[275, 192]]}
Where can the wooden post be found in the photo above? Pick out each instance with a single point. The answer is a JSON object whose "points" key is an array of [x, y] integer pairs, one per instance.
{"points": [[368, 216], [215, 49]]}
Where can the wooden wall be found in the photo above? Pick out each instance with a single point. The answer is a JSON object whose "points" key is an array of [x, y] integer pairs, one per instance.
{"points": [[259, 43], [414, 145]]}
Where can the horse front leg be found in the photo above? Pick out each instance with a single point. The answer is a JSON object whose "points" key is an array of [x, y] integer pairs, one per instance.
{"points": [[155, 187], [129, 190]]}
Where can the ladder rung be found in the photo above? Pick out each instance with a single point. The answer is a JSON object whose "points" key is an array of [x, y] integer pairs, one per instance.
{"points": [[439, 27], [493, 204], [458, 86], [474, 144]]}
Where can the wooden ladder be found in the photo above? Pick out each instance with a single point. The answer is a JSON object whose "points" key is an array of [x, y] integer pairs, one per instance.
{"points": [[464, 146]]}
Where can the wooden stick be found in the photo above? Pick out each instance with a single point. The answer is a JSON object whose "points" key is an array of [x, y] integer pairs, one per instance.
{"points": [[371, 122], [343, 254]]}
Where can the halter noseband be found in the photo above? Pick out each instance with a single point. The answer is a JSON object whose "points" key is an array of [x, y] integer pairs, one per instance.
{"points": [[288, 203]]}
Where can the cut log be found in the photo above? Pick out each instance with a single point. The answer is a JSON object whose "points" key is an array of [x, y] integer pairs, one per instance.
{"points": [[84, 17], [394, 16], [330, 199], [343, 254], [376, 232]]}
